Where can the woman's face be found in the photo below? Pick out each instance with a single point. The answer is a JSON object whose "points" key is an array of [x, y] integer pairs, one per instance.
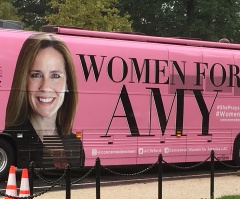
{"points": [[46, 83]]}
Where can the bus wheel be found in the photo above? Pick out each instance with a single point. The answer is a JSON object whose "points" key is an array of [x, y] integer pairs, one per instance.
{"points": [[6, 158]]}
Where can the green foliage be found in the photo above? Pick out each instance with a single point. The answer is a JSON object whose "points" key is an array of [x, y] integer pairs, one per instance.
{"points": [[32, 12], [88, 14], [230, 197], [8, 11], [203, 19]]}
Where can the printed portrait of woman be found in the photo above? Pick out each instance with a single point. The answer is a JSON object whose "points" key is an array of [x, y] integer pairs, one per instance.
{"points": [[43, 97]]}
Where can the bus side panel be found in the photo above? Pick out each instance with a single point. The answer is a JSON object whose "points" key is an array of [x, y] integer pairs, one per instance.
{"points": [[114, 103], [10, 45], [118, 100], [140, 99]]}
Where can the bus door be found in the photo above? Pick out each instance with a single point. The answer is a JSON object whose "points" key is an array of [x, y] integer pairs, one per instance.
{"points": [[221, 96], [182, 87]]}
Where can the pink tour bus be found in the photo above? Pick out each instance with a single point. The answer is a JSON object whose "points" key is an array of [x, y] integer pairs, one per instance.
{"points": [[138, 96]]}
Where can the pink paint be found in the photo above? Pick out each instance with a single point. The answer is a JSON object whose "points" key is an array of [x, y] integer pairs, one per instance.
{"points": [[140, 96]]}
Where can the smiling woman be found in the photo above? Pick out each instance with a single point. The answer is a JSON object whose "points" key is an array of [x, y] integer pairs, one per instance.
{"points": [[43, 63], [44, 89]]}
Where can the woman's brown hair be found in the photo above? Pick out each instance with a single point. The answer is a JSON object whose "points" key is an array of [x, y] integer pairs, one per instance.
{"points": [[18, 108]]}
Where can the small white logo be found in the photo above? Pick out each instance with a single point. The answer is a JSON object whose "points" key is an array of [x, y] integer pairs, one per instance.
{"points": [[166, 150], [94, 152], [140, 151]]}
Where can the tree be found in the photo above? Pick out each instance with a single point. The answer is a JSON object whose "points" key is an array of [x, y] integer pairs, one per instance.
{"points": [[88, 14], [8, 11], [32, 12], [144, 14], [203, 19], [215, 19]]}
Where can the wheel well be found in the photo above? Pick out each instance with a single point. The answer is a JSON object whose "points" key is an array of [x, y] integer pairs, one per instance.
{"points": [[237, 139], [10, 140]]}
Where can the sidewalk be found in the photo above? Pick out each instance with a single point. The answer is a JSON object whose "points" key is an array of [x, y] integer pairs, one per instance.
{"points": [[197, 188]]}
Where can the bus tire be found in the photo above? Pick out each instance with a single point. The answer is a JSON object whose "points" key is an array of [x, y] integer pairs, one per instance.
{"points": [[7, 158]]}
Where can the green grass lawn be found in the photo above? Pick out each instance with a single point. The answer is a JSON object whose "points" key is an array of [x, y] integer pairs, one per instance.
{"points": [[230, 197]]}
